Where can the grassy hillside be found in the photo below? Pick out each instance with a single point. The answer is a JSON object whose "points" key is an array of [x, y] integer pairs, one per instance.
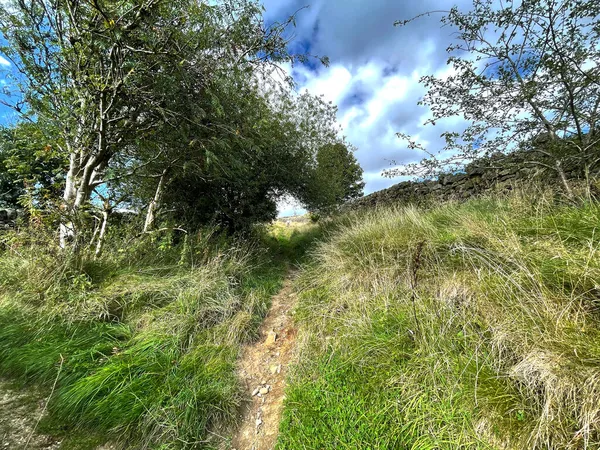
{"points": [[141, 345], [471, 325]]}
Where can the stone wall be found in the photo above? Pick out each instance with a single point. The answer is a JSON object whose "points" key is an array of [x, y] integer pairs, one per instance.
{"points": [[497, 173], [8, 218]]}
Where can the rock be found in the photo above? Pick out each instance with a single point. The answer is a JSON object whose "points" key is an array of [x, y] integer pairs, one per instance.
{"points": [[255, 391], [486, 174], [489, 176], [275, 369], [263, 382], [264, 391], [473, 171], [271, 338], [11, 214], [469, 185]]}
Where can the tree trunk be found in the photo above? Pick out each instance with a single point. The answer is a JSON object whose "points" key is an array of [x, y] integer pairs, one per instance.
{"points": [[563, 178], [77, 193], [154, 203], [85, 163], [66, 224], [102, 234]]}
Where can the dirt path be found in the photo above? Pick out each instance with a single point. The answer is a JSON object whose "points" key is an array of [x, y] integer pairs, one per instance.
{"points": [[20, 411], [263, 368]]}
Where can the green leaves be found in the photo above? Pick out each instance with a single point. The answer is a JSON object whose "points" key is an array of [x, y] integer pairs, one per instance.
{"points": [[337, 178], [30, 164]]}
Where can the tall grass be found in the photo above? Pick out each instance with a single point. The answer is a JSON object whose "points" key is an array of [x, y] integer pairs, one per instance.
{"points": [[294, 239], [469, 325], [142, 342]]}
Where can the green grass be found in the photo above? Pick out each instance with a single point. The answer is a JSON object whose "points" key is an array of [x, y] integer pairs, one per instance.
{"points": [[293, 240], [142, 343], [469, 325]]}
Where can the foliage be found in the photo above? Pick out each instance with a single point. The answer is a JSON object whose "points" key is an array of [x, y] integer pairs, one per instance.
{"points": [[461, 326], [30, 165], [183, 92], [521, 74], [266, 150], [337, 178]]}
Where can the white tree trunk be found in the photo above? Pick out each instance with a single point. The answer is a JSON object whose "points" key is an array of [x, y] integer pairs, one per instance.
{"points": [[66, 225], [154, 203], [84, 164], [102, 235]]}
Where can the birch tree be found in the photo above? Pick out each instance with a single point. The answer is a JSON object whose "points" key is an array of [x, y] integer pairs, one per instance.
{"points": [[110, 73]]}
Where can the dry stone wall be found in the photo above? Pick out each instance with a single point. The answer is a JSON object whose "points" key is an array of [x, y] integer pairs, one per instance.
{"points": [[497, 173], [8, 218]]}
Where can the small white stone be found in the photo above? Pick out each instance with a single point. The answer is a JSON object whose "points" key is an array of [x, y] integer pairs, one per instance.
{"points": [[271, 338]]}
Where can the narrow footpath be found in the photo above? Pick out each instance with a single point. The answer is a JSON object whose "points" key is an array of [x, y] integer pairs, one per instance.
{"points": [[20, 410], [263, 368]]}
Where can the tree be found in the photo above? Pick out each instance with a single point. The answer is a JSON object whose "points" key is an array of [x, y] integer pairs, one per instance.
{"points": [[31, 166], [110, 74], [267, 140], [337, 178], [523, 74]]}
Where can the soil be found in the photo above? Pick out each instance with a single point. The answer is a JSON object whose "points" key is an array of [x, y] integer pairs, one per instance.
{"points": [[263, 368], [20, 411]]}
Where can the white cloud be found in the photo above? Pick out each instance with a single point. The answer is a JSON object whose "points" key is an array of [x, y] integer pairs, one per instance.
{"points": [[4, 61], [333, 83], [375, 72], [393, 91], [374, 104]]}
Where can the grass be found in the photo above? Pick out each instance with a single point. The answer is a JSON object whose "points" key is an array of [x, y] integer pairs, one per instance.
{"points": [[143, 342], [294, 238], [470, 325]]}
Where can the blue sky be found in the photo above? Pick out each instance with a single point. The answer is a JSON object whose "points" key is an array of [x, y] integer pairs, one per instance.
{"points": [[6, 113], [374, 72]]}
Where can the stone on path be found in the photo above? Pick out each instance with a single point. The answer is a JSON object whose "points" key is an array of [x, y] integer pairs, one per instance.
{"points": [[271, 338]]}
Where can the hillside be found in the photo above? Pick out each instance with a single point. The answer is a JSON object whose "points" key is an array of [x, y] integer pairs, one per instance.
{"points": [[470, 325], [151, 299]]}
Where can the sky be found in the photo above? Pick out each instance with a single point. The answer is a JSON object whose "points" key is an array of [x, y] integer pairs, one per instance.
{"points": [[5, 112], [374, 73]]}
